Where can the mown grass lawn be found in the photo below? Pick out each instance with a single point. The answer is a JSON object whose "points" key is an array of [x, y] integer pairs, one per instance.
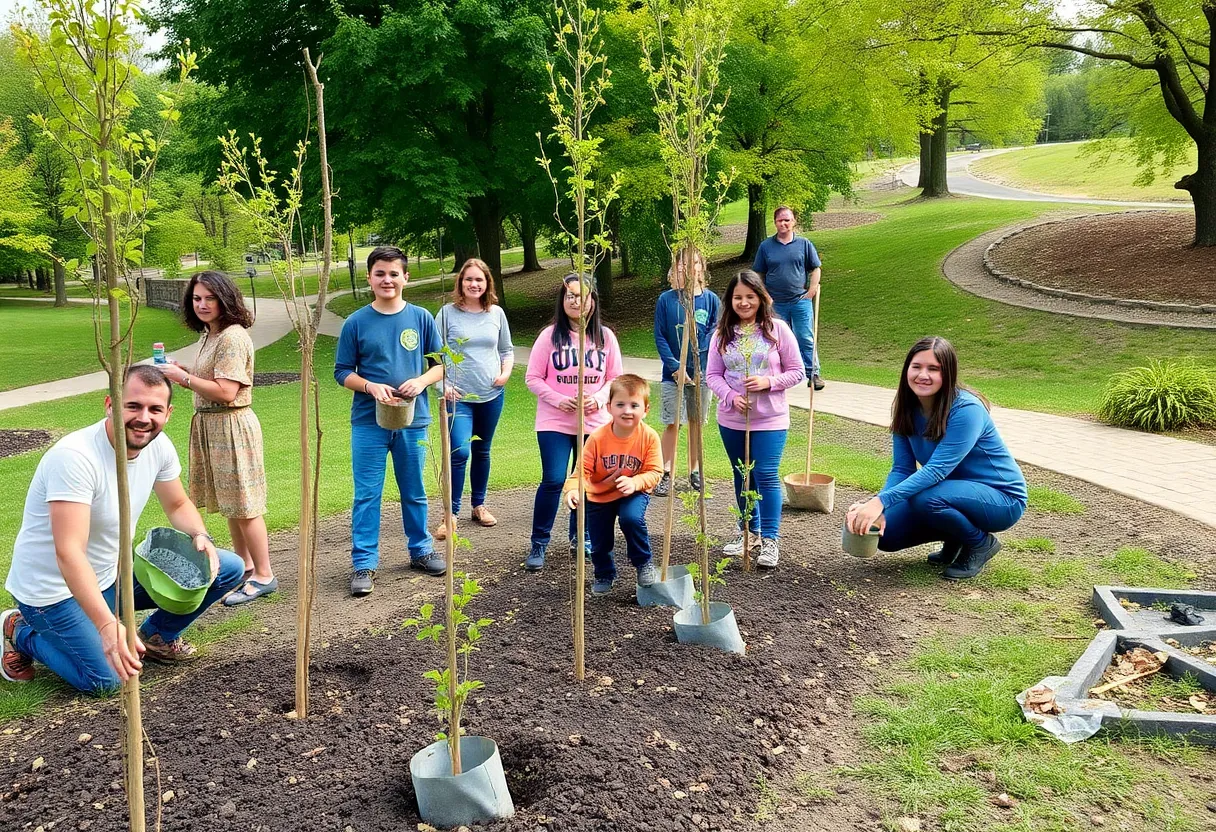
{"points": [[1083, 169], [41, 343], [883, 289]]}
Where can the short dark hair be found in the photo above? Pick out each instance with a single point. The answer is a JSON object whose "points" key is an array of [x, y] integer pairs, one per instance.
{"points": [[149, 375], [780, 208], [227, 295], [387, 254]]}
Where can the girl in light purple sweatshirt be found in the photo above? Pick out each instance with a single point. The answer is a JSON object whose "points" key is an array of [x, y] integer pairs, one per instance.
{"points": [[553, 369], [753, 360]]}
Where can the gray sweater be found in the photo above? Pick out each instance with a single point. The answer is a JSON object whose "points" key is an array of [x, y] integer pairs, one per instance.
{"points": [[487, 341]]}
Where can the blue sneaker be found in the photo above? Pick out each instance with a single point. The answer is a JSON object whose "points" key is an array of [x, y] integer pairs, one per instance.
{"points": [[536, 558], [586, 549], [601, 586]]}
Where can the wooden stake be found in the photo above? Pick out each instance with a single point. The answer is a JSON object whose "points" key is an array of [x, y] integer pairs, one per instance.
{"points": [[449, 543], [689, 322], [810, 372], [1118, 683]]}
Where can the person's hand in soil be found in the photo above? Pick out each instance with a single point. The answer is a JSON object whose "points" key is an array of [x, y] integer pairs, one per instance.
{"points": [[114, 643], [741, 404], [862, 515], [411, 389], [572, 499], [380, 392], [203, 544], [626, 486], [568, 405], [756, 384]]}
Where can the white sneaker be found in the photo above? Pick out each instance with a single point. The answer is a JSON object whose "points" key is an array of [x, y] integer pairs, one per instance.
{"points": [[768, 553], [735, 547]]}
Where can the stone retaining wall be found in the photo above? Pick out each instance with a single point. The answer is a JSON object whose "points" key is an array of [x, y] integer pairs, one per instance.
{"points": [[164, 294]]}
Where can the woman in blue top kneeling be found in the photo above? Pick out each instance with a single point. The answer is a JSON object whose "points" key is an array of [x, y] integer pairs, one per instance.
{"points": [[968, 484]]}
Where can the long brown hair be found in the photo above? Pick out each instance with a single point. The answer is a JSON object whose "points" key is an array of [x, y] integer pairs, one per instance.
{"points": [[489, 297], [227, 295], [907, 405], [730, 319], [564, 330]]}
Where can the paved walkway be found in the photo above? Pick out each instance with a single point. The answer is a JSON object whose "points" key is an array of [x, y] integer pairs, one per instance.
{"points": [[1171, 473], [962, 182]]}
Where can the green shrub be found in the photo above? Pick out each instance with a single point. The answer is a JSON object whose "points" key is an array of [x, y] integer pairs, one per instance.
{"points": [[1165, 395]]}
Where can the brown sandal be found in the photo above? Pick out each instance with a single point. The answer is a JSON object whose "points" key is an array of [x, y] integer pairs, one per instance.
{"points": [[482, 515]]}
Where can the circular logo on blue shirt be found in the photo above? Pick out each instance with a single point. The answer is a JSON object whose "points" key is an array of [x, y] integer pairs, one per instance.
{"points": [[409, 339], [701, 316]]}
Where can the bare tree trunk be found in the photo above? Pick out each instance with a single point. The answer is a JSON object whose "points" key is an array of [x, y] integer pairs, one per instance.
{"points": [[603, 279], [527, 233], [936, 184], [1201, 185], [61, 289], [926, 160], [757, 221]]}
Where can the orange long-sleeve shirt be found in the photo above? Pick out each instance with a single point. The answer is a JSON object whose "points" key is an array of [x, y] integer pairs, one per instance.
{"points": [[606, 457]]}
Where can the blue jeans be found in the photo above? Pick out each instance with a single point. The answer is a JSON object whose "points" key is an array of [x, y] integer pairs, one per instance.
{"points": [[557, 452], [631, 512], [63, 638], [767, 447], [473, 419], [954, 511], [370, 446], [800, 315]]}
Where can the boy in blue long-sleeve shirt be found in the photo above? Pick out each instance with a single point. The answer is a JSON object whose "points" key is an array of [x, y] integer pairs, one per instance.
{"points": [[382, 349], [669, 316]]}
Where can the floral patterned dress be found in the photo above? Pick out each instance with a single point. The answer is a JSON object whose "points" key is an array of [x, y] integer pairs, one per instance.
{"points": [[227, 474]]}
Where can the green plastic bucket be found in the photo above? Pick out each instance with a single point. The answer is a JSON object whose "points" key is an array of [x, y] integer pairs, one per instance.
{"points": [[174, 573]]}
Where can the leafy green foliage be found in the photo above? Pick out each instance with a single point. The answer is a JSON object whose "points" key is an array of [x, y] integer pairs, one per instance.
{"points": [[1164, 395], [715, 576], [469, 632]]}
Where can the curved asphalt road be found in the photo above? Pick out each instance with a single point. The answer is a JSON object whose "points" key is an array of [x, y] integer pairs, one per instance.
{"points": [[960, 180]]}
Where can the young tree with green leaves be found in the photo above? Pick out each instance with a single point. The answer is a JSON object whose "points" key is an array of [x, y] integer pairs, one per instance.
{"points": [[683, 47], [579, 77], [247, 178], [82, 60]]}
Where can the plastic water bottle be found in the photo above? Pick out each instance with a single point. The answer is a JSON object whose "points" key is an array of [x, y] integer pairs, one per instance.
{"points": [[158, 353]]}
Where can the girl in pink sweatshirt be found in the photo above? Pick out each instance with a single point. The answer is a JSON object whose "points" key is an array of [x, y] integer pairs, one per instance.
{"points": [[753, 360], [552, 376]]}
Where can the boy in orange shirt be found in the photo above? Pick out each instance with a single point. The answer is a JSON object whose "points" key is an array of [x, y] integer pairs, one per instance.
{"points": [[621, 466]]}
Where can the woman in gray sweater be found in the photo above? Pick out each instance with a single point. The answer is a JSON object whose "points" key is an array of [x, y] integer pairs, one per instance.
{"points": [[474, 326]]}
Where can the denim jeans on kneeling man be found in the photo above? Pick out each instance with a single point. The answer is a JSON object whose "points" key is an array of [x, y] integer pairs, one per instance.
{"points": [[63, 638]]}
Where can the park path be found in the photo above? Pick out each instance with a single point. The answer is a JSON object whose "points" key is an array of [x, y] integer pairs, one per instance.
{"points": [[1175, 474], [961, 182]]}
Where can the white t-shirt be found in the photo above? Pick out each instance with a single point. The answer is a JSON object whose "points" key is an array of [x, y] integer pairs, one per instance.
{"points": [[79, 468]]}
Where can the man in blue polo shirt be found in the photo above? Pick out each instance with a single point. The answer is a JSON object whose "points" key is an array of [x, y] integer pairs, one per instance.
{"points": [[790, 267], [383, 348]]}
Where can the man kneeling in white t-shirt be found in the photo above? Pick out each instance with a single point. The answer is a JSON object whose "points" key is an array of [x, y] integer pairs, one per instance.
{"points": [[65, 560]]}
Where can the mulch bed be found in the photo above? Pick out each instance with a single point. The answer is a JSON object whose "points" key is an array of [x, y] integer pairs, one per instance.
{"points": [[1141, 255], [658, 736], [19, 441], [271, 379]]}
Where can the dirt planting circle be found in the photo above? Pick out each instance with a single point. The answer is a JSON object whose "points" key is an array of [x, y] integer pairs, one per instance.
{"points": [[271, 379], [20, 441]]}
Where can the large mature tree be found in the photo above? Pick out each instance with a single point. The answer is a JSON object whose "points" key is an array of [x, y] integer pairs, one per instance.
{"points": [[435, 105], [1163, 47], [793, 122], [954, 80]]}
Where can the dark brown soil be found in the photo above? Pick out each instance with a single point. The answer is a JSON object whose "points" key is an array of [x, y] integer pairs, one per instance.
{"points": [[18, 441], [843, 624], [1139, 255], [659, 736], [270, 379]]}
